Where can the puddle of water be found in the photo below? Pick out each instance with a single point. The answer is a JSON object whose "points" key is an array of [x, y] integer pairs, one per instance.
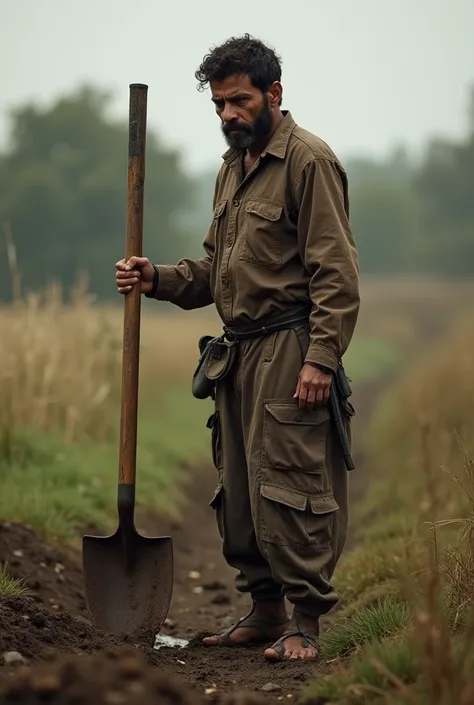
{"points": [[164, 641]]}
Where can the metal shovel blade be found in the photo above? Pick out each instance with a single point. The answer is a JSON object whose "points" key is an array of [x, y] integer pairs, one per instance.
{"points": [[128, 581]]}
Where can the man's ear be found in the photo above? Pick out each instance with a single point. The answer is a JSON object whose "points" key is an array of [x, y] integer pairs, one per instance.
{"points": [[275, 93]]}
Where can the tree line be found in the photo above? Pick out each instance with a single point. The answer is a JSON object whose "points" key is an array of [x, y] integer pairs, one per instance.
{"points": [[63, 190], [417, 216]]}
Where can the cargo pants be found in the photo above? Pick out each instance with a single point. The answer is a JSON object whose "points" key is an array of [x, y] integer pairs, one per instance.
{"points": [[281, 500]]}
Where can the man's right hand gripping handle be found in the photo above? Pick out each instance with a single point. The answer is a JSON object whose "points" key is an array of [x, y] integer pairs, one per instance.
{"points": [[130, 273]]}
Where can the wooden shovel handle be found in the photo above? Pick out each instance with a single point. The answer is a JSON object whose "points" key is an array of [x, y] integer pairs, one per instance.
{"points": [[132, 300]]}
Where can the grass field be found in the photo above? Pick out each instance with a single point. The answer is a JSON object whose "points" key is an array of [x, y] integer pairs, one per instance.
{"points": [[404, 634]]}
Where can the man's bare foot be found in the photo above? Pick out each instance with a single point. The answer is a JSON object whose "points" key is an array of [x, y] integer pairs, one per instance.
{"points": [[267, 621], [299, 641]]}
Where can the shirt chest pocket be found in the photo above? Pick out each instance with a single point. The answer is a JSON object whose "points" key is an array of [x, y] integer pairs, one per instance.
{"points": [[260, 234]]}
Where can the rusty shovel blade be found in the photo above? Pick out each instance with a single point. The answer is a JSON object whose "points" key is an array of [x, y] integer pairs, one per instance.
{"points": [[128, 581]]}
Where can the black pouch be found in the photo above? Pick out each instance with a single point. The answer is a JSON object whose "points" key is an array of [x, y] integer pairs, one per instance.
{"points": [[216, 357]]}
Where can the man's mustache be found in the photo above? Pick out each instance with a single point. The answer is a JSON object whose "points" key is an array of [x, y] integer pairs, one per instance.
{"points": [[229, 127]]}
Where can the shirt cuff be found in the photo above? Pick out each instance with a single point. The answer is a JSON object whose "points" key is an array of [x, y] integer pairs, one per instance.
{"points": [[167, 281], [320, 355]]}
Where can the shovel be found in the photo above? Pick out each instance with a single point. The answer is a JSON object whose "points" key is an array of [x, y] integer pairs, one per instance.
{"points": [[128, 577]]}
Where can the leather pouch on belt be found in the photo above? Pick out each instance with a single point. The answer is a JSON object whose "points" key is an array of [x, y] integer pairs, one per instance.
{"points": [[216, 359]]}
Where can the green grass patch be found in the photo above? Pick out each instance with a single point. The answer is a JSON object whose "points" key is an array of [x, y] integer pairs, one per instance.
{"points": [[333, 688], [387, 618], [11, 587], [377, 674], [384, 663], [368, 565], [371, 596], [58, 487]]}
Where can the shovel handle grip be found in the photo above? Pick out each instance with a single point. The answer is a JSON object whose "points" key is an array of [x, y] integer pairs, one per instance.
{"points": [[132, 300]]}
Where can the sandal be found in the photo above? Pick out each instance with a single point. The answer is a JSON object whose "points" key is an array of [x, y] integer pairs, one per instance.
{"points": [[266, 629], [310, 638]]}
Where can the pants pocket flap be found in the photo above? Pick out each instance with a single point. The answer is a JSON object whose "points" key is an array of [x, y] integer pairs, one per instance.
{"points": [[287, 413], [282, 495], [323, 504], [216, 497]]}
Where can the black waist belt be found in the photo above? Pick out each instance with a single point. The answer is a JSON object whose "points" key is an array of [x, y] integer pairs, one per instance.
{"points": [[288, 319]]}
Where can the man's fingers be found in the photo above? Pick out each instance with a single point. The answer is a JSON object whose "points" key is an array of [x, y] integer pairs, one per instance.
{"points": [[127, 278], [136, 262], [124, 289], [327, 392], [127, 282], [310, 399], [303, 394], [120, 265], [128, 274], [297, 393], [310, 395]]}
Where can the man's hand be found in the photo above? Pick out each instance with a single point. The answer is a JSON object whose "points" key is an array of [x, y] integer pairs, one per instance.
{"points": [[136, 269], [313, 387]]}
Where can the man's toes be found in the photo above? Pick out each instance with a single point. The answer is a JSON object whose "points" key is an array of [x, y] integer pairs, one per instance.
{"points": [[211, 640], [272, 655]]}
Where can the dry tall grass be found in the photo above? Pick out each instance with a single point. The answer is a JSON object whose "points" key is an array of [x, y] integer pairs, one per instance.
{"points": [[60, 377], [417, 543], [60, 364]]}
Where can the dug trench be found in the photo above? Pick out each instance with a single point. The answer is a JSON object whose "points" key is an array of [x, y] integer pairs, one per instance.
{"points": [[50, 651]]}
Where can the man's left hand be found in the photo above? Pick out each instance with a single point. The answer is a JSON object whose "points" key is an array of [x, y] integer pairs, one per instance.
{"points": [[313, 387]]}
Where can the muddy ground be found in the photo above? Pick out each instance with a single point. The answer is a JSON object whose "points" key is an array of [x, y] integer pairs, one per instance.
{"points": [[52, 624]]}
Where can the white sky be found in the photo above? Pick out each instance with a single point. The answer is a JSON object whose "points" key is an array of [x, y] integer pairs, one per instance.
{"points": [[362, 74]]}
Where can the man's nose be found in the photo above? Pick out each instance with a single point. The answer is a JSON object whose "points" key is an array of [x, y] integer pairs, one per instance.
{"points": [[229, 113]]}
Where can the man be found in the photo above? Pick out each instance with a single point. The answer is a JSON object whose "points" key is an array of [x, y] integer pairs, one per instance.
{"points": [[281, 267]]}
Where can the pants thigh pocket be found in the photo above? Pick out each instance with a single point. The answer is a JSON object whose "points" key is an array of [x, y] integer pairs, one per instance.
{"points": [[293, 518], [293, 439]]}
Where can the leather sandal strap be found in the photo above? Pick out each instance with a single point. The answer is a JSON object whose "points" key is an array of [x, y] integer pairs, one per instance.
{"points": [[309, 636], [263, 626]]}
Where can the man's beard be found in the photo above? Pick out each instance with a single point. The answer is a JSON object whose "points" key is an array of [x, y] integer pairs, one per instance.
{"points": [[251, 133]]}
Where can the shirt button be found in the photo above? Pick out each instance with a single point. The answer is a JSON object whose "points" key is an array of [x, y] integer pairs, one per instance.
{"points": [[236, 203], [225, 281]]}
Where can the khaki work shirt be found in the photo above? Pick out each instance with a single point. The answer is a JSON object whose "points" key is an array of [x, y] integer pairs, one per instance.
{"points": [[279, 238]]}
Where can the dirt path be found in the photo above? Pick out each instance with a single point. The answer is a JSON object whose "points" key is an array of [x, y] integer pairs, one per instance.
{"points": [[54, 619], [204, 598]]}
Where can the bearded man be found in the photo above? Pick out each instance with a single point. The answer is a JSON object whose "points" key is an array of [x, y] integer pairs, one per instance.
{"points": [[280, 265]]}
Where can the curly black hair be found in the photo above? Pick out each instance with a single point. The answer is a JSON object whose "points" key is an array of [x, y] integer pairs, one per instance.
{"points": [[240, 55]]}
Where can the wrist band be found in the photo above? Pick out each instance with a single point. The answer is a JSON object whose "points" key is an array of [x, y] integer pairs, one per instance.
{"points": [[151, 294]]}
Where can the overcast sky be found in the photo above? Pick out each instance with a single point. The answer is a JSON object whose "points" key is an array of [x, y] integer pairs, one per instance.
{"points": [[362, 74]]}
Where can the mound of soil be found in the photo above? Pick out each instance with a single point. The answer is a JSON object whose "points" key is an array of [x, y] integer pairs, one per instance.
{"points": [[52, 575], [109, 679], [36, 633], [39, 635]]}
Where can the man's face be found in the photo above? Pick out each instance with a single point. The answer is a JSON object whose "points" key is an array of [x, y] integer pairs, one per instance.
{"points": [[244, 110]]}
